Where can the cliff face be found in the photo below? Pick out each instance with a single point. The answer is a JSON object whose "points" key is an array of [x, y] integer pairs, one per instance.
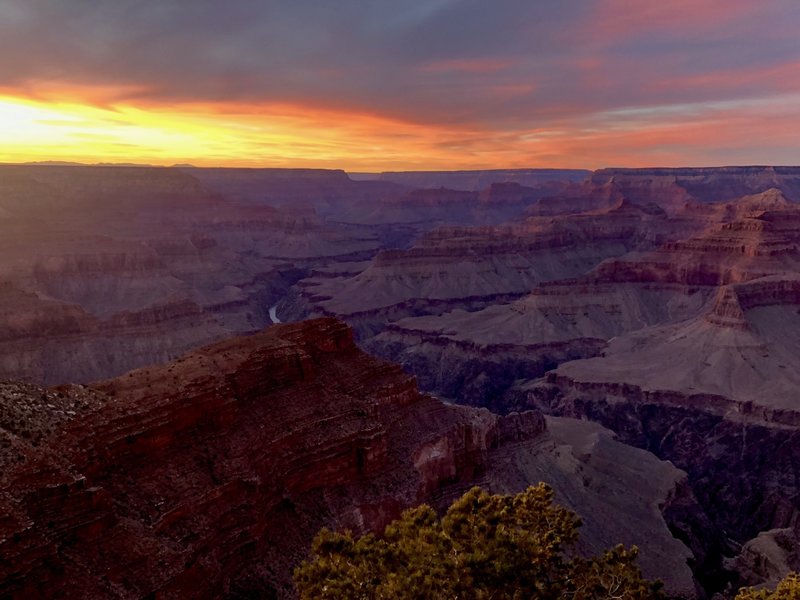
{"points": [[46, 340], [688, 350], [209, 476], [712, 184], [742, 463], [95, 253], [747, 266], [185, 479], [328, 192], [460, 267], [479, 180], [104, 269], [424, 209]]}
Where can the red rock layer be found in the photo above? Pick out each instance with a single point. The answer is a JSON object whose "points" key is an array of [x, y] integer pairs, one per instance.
{"points": [[208, 476]]}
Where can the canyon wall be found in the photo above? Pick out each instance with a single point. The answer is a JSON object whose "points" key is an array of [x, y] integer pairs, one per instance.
{"points": [[208, 476]]}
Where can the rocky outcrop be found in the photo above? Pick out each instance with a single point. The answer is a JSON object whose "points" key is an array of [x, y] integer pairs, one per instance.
{"points": [[479, 180], [468, 371], [741, 458], [48, 341], [709, 184], [184, 477], [208, 476], [426, 208], [767, 558], [458, 267], [688, 350], [113, 268], [328, 191], [105, 244], [577, 199], [717, 396], [743, 267]]}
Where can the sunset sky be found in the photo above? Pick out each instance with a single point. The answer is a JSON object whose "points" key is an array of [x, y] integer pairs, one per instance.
{"points": [[371, 85]]}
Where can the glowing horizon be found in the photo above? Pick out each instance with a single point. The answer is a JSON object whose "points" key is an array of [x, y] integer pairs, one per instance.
{"points": [[419, 87]]}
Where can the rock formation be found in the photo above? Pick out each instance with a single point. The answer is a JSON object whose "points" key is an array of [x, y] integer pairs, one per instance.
{"points": [[689, 351], [767, 558], [104, 269], [474, 181], [472, 267], [660, 304], [138, 264], [709, 184], [208, 476], [704, 280]]}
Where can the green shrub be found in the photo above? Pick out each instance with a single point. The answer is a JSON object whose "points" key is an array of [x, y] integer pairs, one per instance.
{"points": [[484, 547], [788, 589]]}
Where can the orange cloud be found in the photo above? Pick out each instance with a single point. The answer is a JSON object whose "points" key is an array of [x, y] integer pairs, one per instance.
{"points": [[216, 134], [754, 80], [615, 20], [296, 135], [725, 134]]}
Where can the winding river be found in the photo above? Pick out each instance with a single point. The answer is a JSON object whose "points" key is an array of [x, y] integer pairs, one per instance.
{"points": [[273, 315]]}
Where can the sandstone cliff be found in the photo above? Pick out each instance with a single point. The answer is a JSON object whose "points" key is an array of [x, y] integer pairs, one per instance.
{"points": [[208, 476], [104, 269], [748, 263], [472, 267], [711, 184], [478, 180]]}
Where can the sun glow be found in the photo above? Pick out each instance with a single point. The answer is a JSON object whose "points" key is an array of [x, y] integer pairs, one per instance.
{"points": [[223, 135], [234, 134], [32, 130]]}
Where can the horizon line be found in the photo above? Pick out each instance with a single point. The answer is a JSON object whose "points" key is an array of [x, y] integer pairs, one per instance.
{"points": [[122, 165]]}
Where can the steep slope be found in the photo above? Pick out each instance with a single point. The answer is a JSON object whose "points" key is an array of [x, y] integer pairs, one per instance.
{"points": [[476, 356], [197, 254], [208, 476], [474, 181], [473, 267], [111, 268], [669, 187], [745, 348], [717, 393], [741, 450], [425, 208], [689, 351], [328, 192]]}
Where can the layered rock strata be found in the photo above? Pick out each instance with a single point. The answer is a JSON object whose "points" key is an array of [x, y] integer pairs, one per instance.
{"points": [[479, 180], [710, 184], [104, 269], [676, 291], [208, 476], [474, 267]]}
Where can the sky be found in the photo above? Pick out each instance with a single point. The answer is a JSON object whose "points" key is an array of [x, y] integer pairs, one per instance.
{"points": [[371, 85]]}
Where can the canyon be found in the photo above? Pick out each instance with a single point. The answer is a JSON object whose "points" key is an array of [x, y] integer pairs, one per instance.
{"points": [[208, 476], [682, 339], [630, 336], [97, 261]]}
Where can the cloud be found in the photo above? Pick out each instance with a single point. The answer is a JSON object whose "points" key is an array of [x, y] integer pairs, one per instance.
{"points": [[491, 71], [475, 65]]}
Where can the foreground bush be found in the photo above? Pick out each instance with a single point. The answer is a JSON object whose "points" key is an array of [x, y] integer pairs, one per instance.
{"points": [[484, 547], [788, 589]]}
